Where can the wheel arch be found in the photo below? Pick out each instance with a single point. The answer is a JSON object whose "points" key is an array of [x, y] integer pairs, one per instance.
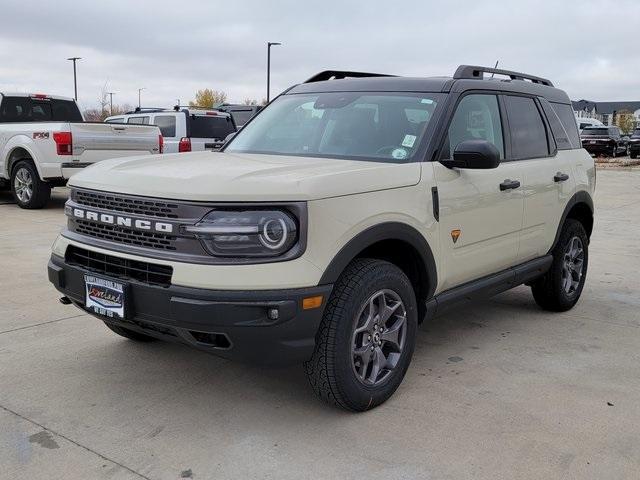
{"points": [[397, 243], [579, 207], [17, 148]]}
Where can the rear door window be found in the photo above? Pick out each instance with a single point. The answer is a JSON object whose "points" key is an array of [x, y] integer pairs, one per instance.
{"points": [[528, 133], [139, 120], [167, 125], [210, 126]]}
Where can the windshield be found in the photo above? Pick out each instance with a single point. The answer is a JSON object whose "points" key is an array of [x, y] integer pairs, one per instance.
{"points": [[595, 131], [377, 126]]}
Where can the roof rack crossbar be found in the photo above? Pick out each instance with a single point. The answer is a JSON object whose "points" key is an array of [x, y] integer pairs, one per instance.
{"points": [[340, 74], [145, 110], [475, 72]]}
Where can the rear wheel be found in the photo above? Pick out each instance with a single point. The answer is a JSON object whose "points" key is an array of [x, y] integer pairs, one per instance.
{"points": [[130, 334], [28, 190], [366, 338], [560, 288], [633, 155]]}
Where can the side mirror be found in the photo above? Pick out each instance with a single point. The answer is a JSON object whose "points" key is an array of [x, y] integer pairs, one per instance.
{"points": [[475, 154]]}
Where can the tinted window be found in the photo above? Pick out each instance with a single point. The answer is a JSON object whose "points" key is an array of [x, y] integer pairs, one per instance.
{"points": [[596, 131], [241, 116], [27, 109], [167, 125], [568, 121], [139, 120], [357, 125], [528, 134], [476, 117], [209, 126]]}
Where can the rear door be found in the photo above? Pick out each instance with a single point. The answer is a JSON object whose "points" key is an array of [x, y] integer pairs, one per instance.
{"points": [[545, 166], [480, 223], [208, 131]]}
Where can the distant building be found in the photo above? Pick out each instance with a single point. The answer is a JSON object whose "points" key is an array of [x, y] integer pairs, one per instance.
{"points": [[606, 112]]}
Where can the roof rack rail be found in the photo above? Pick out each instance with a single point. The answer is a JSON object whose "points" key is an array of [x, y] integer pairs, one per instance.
{"points": [[145, 110], [340, 74], [475, 72]]}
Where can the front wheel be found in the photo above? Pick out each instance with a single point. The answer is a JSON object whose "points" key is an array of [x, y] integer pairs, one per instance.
{"points": [[560, 288], [28, 190], [366, 338]]}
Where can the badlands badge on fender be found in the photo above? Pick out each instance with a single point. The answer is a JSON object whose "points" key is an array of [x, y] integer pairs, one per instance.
{"points": [[104, 297], [455, 235]]}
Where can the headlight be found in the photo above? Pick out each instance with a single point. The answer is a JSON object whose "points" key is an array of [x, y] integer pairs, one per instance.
{"points": [[246, 233]]}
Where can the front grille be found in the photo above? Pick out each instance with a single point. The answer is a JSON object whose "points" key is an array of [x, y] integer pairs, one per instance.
{"points": [[122, 268], [119, 203], [125, 235]]}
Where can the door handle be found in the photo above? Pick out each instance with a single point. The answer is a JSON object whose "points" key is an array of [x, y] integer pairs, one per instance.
{"points": [[560, 177], [509, 185]]}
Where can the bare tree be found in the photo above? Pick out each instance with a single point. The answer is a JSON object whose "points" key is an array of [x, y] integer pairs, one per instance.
{"points": [[250, 101]]}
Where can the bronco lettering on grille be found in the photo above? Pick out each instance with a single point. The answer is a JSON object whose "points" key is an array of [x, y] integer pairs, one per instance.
{"points": [[122, 221]]}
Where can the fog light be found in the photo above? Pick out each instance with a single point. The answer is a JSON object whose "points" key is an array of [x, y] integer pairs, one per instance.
{"points": [[273, 314]]}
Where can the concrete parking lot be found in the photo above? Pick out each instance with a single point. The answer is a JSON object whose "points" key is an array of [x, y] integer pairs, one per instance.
{"points": [[497, 390]]}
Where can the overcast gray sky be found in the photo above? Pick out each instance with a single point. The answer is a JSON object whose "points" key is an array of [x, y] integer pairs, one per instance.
{"points": [[172, 48]]}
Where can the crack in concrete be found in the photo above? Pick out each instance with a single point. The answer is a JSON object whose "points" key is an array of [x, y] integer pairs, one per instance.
{"points": [[77, 444], [43, 323]]}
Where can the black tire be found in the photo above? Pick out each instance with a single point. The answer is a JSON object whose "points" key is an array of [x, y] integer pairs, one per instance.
{"points": [[550, 291], [633, 155], [39, 191], [130, 334], [332, 370]]}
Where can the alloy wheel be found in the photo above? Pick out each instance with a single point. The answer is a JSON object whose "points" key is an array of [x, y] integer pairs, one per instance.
{"points": [[23, 185], [379, 337], [572, 267]]}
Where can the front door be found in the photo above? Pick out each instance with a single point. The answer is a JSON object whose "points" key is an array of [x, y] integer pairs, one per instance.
{"points": [[480, 222]]}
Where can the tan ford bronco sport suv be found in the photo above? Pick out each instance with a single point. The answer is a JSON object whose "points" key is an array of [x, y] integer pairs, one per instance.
{"points": [[349, 210]]}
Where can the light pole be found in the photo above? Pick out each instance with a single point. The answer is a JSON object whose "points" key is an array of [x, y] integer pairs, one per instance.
{"points": [[269, 45], [111, 94], [140, 90], [75, 81]]}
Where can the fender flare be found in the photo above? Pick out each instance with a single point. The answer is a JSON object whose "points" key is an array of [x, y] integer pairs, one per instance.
{"points": [[18, 141], [375, 234], [579, 197]]}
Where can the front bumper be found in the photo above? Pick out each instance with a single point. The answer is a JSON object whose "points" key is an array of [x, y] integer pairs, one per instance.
{"points": [[598, 148], [229, 323]]}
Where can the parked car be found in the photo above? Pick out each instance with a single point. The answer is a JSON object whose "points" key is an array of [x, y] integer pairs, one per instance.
{"points": [[354, 207], [44, 141], [241, 113], [634, 143], [588, 122], [185, 129], [604, 140]]}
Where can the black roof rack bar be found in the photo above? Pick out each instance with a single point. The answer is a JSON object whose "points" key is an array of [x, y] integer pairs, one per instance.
{"points": [[340, 74], [145, 110], [475, 72]]}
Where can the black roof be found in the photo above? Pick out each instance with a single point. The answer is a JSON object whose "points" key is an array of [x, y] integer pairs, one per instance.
{"points": [[466, 78]]}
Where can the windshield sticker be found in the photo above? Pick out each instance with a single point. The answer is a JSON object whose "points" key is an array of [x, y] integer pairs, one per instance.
{"points": [[408, 141], [428, 101], [399, 153]]}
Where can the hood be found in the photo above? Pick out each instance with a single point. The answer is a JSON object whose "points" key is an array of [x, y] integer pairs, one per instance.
{"points": [[214, 176]]}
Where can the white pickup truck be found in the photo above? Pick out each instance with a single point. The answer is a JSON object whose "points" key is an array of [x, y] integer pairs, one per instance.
{"points": [[44, 141]]}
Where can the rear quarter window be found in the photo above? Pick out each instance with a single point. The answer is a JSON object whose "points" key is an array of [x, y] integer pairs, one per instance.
{"points": [[167, 124], [209, 126], [138, 120], [568, 122], [27, 109]]}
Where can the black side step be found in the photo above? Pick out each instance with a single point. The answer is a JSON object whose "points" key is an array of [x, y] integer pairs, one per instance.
{"points": [[488, 286]]}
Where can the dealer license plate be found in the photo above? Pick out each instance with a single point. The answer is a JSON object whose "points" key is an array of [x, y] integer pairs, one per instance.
{"points": [[104, 297]]}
